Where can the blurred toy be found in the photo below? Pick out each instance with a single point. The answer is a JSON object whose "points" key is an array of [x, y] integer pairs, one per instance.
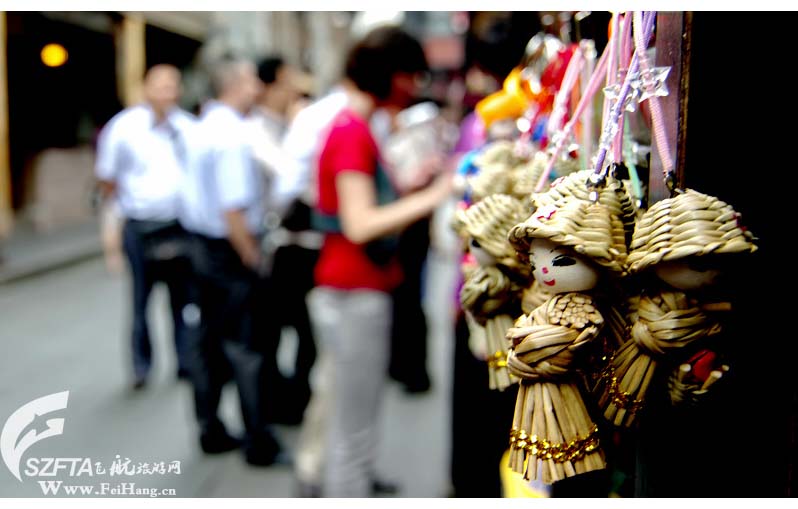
{"points": [[530, 86], [491, 292], [497, 169]]}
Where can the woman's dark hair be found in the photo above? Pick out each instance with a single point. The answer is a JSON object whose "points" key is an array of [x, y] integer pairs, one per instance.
{"points": [[383, 52]]}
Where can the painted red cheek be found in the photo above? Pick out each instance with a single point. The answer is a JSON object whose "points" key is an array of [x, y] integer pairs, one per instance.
{"points": [[545, 270]]}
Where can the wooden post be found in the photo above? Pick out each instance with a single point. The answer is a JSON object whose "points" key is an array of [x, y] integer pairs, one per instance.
{"points": [[130, 58], [673, 50], [6, 213]]}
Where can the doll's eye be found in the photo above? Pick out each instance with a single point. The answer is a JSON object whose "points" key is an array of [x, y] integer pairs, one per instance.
{"points": [[475, 243], [563, 261]]}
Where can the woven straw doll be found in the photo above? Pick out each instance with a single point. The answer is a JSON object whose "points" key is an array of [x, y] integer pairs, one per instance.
{"points": [[683, 241], [568, 247], [491, 293], [615, 196]]}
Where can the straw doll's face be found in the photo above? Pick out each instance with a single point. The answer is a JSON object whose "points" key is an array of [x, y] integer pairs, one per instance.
{"points": [[559, 269], [483, 258], [688, 274]]}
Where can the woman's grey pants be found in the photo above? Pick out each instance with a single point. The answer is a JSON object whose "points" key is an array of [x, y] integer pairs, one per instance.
{"points": [[353, 328]]}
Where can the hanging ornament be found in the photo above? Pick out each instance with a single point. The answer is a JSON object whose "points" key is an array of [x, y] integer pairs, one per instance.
{"points": [[682, 241], [503, 169], [569, 247], [491, 292]]}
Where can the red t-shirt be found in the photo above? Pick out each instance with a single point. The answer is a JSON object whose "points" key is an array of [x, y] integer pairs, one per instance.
{"points": [[343, 264]]}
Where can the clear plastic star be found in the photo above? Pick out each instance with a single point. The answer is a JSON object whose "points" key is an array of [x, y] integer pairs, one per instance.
{"points": [[630, 101], [651, 83]]}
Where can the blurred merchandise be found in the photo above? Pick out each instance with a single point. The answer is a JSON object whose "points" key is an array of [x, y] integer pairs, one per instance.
{"points": [[421, 133]]}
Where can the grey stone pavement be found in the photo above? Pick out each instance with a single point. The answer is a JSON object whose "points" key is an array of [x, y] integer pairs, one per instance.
{"points": [[66, 329]]}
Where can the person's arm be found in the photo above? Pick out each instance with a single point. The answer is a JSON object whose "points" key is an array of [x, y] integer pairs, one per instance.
{"points": [[242, 240], [233, 173], [350, 148], [363, 220], [106, 167]]}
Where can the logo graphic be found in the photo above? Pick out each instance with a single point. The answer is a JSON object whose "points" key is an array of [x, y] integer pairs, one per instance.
{"points": [[24, 428]]}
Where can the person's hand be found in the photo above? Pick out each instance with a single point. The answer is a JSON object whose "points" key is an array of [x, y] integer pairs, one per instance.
{"points": [[423, 174], [443, 185], [254, 260]]}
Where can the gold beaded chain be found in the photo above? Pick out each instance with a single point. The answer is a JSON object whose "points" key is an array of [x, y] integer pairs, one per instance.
{"points": [[560, 453], [621, 399], [498, 360]]}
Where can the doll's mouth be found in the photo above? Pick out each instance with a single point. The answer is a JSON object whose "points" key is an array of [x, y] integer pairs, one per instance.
{"points": [[549, 283]]}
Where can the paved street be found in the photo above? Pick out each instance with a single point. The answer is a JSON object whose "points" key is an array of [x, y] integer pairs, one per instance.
{"points": [[66, 330]]}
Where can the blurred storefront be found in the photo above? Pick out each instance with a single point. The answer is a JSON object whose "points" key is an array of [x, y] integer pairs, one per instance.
{"points": [[67, 74]]}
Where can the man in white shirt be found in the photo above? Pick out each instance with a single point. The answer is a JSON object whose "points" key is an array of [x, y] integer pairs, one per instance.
{"points": [[223, 205], [140, 158], [280, 95]]}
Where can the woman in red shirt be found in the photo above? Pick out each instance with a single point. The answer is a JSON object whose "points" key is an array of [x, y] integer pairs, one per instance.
{"points": [[357, 208]]}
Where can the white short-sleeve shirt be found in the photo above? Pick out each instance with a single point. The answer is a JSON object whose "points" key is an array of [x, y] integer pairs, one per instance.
{"points": [[221, 174], [304, 139], [145, 159]]}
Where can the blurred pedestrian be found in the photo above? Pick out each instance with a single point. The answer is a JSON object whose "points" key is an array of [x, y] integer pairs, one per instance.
{"points": [[280, 90], [292, 251], [224, 200], [140, 165], [351, 306], [302, 143]]}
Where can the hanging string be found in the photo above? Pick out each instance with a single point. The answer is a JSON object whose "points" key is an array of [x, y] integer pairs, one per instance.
{"points": [[612, 63], [629, 159], [558, 112], [624, 57], [611, 122], [657, 117], [586, 143], [562, 136]]}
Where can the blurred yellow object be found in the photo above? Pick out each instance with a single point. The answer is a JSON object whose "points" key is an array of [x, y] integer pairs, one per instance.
{"points": [[509, 102], [515, 486], [54, 55]]}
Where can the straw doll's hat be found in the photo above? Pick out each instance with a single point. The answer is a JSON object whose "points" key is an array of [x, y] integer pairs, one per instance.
{"points": [[528, 174], [689, 224], [614, 195], [492, 179], [589, 228], [488, 221], [500, 152], [498, 164]]}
